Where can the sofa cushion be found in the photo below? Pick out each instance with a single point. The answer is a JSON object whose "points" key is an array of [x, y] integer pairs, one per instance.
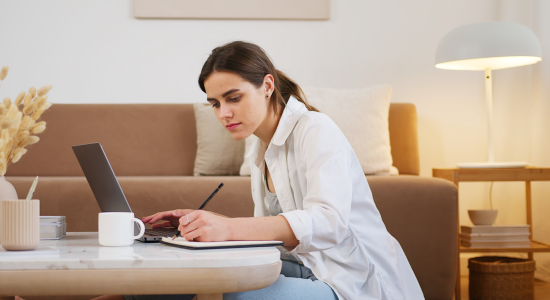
{"points": [[217, 152]]}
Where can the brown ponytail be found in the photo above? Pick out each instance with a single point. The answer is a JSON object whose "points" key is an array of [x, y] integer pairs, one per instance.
{"points": [[252, 63]]}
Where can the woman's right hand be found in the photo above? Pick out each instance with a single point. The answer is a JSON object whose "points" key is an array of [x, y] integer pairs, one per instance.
{"points": [[171, 218]]}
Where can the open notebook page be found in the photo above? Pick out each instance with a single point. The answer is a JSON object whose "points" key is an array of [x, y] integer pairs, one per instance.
{"points": [[182, 242]]}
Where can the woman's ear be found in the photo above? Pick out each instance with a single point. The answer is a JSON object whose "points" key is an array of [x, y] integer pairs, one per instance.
{"points": [[269, 85]]}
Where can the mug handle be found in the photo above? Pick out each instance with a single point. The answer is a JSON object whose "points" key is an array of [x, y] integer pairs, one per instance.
{"points": [[141, 228]]}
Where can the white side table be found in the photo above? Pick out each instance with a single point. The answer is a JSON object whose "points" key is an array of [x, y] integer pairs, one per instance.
{"points": [[78, 265]]}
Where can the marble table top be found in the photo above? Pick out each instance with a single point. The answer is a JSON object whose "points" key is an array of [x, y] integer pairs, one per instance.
{"points": [[81, 250]]}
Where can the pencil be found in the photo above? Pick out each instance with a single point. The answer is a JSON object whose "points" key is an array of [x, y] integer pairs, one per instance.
{"points": [[33, 188], [202, 206]]}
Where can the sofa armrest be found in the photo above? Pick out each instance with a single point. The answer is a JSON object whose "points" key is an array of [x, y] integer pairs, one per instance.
{"points": [[422, 214]]}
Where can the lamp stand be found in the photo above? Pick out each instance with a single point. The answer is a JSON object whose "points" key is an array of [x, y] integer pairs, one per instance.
{"points": [[490, 146]]}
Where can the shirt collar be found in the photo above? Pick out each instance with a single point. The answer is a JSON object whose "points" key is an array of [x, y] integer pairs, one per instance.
{"points": [[291, 114]]}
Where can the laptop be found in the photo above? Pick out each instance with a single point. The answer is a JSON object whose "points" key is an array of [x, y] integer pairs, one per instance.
{"points": [[106, 189]]}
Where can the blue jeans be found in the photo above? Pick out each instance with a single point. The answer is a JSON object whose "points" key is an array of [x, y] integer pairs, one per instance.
{"points": [[295, 282]]}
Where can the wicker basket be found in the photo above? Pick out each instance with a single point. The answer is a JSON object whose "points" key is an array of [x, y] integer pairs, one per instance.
{"points": [[503, 278]]}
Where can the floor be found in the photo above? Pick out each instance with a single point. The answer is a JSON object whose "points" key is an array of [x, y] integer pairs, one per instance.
{"points": [[542, 289]]}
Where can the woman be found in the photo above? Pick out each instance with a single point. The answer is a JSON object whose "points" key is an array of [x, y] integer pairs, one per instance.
{"points": [[308, 188]]}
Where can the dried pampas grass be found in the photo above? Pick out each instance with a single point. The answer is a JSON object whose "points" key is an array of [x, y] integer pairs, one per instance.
{"points": [[38, 129], [17, 127], [19, 98], [32, 91], [7, 123], [36, 115], [44, 90], [17, 154], [26, 122], [29, 108], [22, 135], [4, 72], [31, 139], [28, 99]]}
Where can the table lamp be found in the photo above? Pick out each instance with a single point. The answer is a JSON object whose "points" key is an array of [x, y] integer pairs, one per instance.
{"points": [[485, 47]]}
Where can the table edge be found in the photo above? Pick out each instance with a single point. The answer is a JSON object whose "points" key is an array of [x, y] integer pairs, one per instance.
{"points": [[131, 281]]}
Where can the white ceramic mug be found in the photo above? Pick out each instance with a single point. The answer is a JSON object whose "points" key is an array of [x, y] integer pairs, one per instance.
{"points": [[117, 228]]}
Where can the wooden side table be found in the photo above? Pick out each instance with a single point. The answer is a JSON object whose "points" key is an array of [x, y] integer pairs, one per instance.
{"points": [[529, 174]]}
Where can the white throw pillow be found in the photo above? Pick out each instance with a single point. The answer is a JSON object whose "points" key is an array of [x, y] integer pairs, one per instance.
{"points": [[362, 115]]}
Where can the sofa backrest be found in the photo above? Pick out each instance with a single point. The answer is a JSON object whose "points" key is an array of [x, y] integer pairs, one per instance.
{"points": [[157, 139], [404, 138]]}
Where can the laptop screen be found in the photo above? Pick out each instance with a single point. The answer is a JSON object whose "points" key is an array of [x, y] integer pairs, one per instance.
{"points": [[101, 178]]}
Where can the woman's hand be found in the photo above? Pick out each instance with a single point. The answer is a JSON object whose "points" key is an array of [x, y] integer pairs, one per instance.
{"points": [[172, 218], [198, 225], [204, 226]]}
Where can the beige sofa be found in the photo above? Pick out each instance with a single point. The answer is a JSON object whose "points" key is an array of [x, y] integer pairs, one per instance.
{"points": [[152, 149]]}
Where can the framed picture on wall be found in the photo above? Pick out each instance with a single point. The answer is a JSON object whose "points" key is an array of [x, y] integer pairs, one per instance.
{"points": [[233, 9]]}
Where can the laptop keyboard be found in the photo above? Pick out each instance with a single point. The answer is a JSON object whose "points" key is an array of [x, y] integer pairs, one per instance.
{"points": [[161, 232]]}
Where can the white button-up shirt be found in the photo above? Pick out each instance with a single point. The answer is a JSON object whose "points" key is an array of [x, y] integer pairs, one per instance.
{"points": [[327, 201]]}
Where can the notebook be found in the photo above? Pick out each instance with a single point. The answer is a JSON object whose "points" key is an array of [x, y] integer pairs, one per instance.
{"points": [[192, 245], [495, 229]]}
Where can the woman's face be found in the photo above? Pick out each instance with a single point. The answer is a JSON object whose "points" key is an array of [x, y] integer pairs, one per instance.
{"points": [[239, 105]]}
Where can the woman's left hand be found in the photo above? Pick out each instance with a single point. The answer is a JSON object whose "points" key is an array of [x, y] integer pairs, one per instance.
{"points": [[204, 226]]}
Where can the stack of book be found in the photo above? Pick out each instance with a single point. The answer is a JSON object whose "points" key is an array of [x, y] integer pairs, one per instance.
{"points": [[495, 236], [52, 227]]}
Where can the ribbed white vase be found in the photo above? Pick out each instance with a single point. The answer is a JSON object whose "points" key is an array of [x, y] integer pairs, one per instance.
{"points": [[7, 192], [20, 224]]}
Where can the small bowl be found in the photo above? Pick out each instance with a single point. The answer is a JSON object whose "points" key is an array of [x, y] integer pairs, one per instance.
{"points": [[483, 216]]}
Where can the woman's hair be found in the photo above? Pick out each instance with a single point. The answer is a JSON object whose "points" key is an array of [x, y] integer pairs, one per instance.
{"points": [[252, 63]]}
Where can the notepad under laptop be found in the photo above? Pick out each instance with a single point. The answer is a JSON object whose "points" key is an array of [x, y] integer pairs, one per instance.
{"points": [[183, 243]]}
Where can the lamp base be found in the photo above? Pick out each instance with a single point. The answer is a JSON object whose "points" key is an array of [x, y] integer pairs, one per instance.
{"points": [[489, 165]]}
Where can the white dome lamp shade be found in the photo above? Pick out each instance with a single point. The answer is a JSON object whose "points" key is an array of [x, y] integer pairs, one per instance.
{"points": [[485, 47]]}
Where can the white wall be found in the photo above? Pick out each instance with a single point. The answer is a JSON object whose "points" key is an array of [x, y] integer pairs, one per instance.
{"points": [[94, 51], [540, 134]]}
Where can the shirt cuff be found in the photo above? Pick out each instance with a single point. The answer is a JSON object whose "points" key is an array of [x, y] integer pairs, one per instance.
{"points": [[300, 223]]}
